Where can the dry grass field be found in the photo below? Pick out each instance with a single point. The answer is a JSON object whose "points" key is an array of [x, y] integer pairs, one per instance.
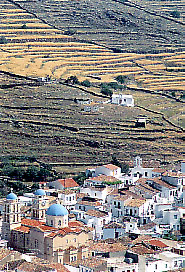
{"points": [[38, 120]]}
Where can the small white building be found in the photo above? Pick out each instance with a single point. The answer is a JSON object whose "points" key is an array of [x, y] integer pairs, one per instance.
{"points": [[152, 264], [96, 219], [123, 100], [138, 208], [61, 184], [113, 230], [108, 170], [119, 265], [174, 260], [68, 198], [98, 191], [139, 171]]}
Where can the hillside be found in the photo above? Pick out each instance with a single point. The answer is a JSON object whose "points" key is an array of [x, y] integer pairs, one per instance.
{"points": [[127, 39]]}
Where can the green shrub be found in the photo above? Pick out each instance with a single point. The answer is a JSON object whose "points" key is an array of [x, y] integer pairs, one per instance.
{"points": [[175, 14], [86, 83], [120, 79], [3, 40]]}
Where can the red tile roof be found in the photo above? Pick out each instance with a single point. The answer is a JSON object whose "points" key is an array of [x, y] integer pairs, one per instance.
{"points": [[23, 229], [111, 166], [74, 224], [102, 178], [96, 213], [46, 228], [31, 222], [68, 183], [158, 170], [157, 243]]}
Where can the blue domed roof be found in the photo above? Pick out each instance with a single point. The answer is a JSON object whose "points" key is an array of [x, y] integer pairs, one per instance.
{"points": [[40, 192], [11, 196], [57, 210]]}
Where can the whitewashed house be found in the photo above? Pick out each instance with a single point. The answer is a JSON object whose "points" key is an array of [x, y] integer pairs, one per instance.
{"points": [[168, 192], [152, 264], [98, 191], [174, 260], [61, 184], [171, 217], [68, 198], [108, 170], [119, 265], [123, 100], [96, 219], [113, 230], [175, 179], [138, 208], [139, 171]]}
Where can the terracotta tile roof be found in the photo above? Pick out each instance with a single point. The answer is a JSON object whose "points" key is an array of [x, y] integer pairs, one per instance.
{"points": [[23, 229], [96, 213], [142, 238], [147, 226], [102, 178], [111, 166], [173, 174], [104, 247], [113, 225], [81, 195], [67, 192], [67, 230], [134, 202], [131, 194], [157, 243], [141, 249], [31, 222], [38, 267], [158, 170], [92, 262], [74, 224], [68, 183], [163, 183], [145, 188], [89, 203], [45, 228]]}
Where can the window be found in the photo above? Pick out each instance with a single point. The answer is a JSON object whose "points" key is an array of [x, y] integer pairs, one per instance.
{"points": [[59, 222], [27, 241], [175, 216], [73, 197], [166, 265], [75, 240], [36, 243], [175, 263], [146, 174], [67, 241], [155, 266], [51, 222], [70, 198]]}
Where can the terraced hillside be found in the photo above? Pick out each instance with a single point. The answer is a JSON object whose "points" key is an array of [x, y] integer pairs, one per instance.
{"points": [[46, 122]]}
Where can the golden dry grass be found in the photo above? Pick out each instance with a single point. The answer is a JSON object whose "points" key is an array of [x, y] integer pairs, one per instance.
{"points": [[40, 50]]}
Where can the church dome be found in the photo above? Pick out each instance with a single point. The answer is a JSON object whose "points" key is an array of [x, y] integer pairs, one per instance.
{"points": [[11, 196], [57, 210], [40, 192]]}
